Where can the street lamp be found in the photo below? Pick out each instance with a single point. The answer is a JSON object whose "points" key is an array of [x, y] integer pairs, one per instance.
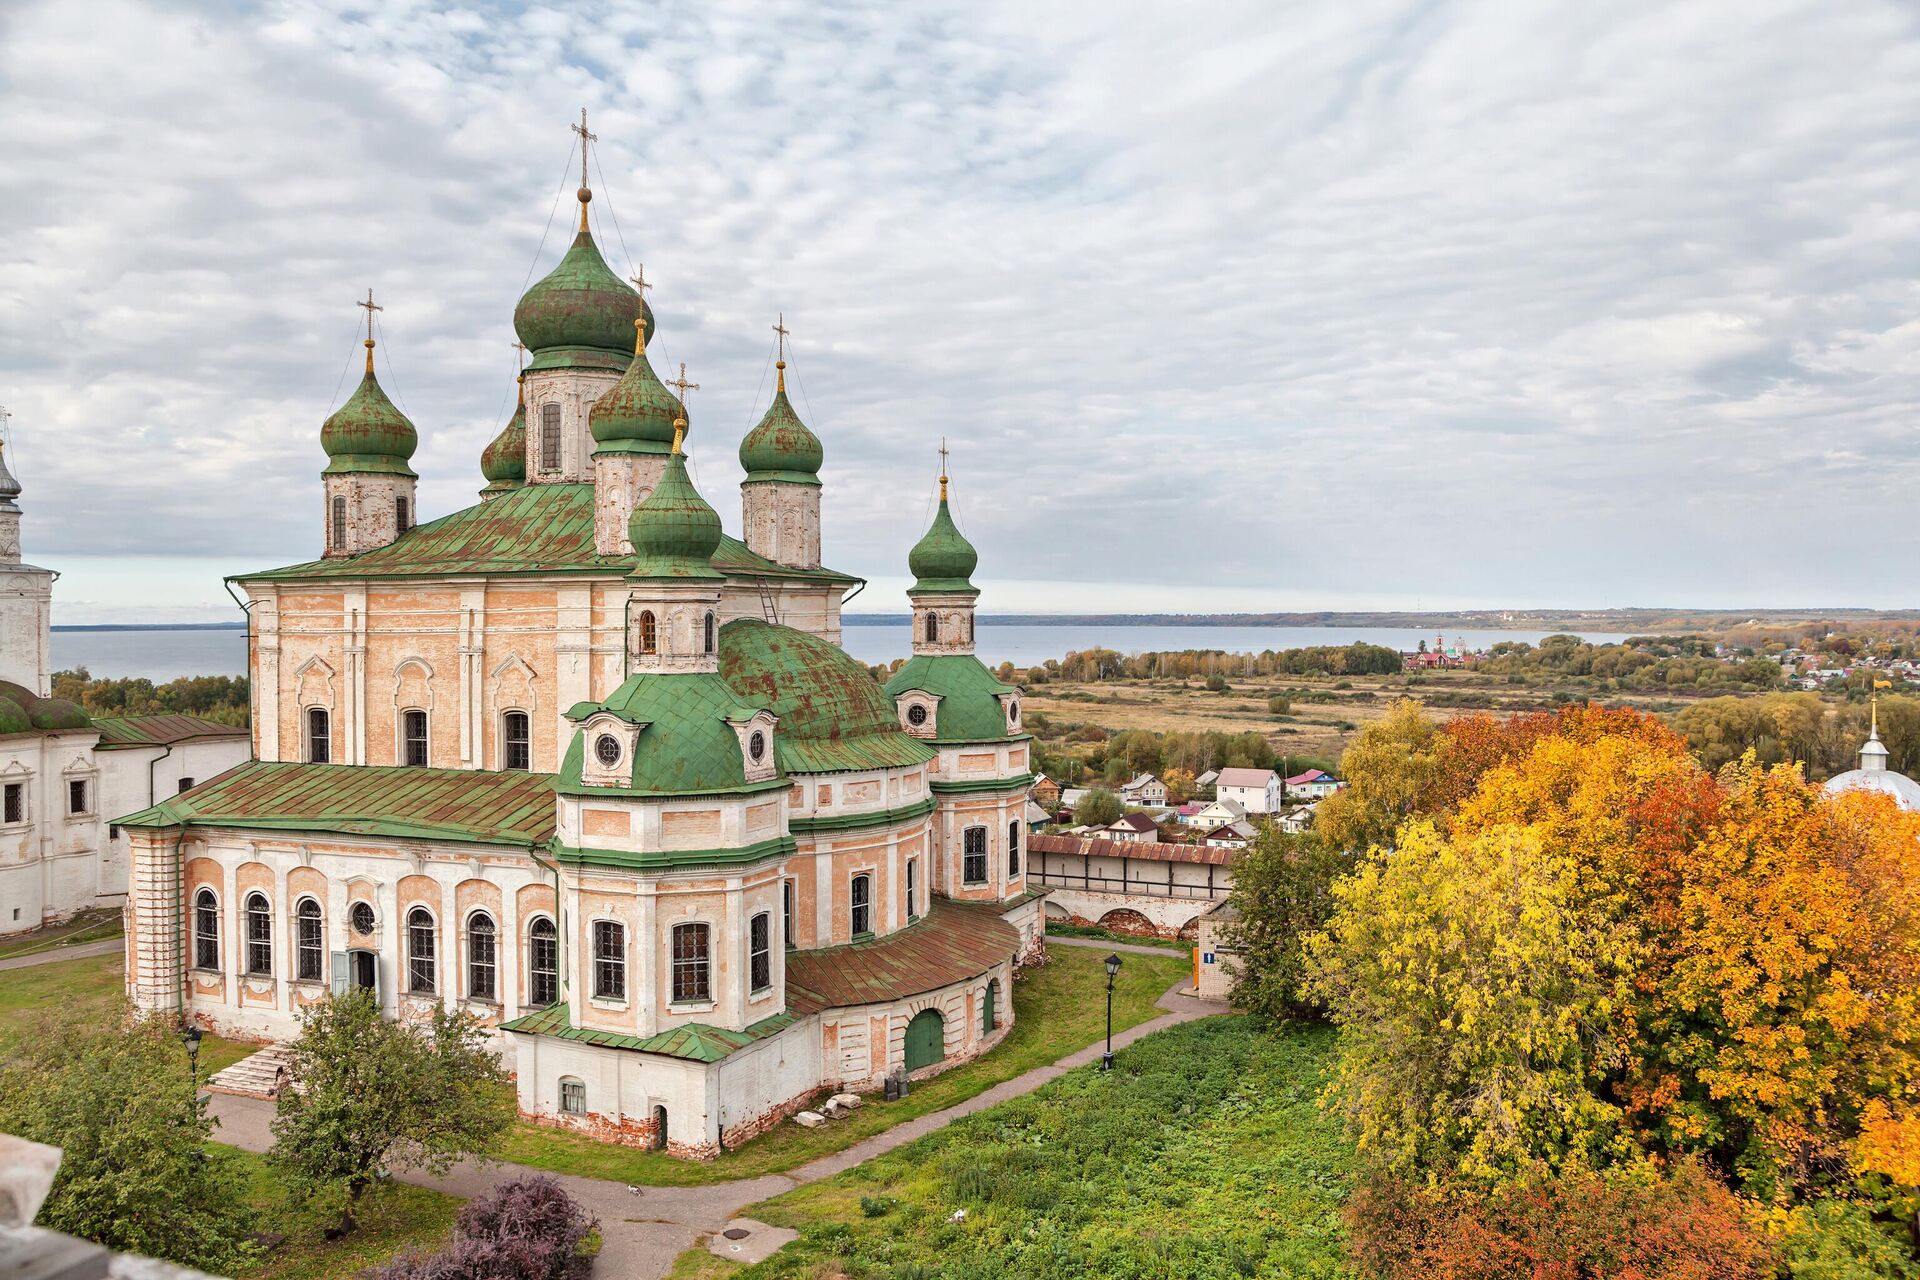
{"points": [[190, 1036], [1113, 971]]}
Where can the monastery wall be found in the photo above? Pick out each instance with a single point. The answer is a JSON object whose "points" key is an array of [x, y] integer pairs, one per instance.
{"points": [[49, 863]]}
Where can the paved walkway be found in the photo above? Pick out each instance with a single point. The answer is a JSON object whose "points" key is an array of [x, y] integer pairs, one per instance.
{"points": [[105, 947], [644, 1229]]}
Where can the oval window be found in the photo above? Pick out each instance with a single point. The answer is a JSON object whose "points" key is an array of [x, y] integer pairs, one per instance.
{"points": [[757, 746], [1013, 711], [917, 715], [361, 917], [606, 749]]}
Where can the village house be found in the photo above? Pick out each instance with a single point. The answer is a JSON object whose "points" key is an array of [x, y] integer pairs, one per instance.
{"points": [[1254, 790], [1312, 784], [1133, 826], [1215, 813], [1145, 791], [1231, 835], [1045, 792]]}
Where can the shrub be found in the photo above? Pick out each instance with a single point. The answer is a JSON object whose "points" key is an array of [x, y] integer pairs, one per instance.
{"points": [[526, 1229], [1681, 1225], [1840, 1240], [1279, 706]]}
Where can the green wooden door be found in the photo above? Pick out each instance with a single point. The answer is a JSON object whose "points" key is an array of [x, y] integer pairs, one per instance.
{"points": [[988, 1020], [926, 1039]]}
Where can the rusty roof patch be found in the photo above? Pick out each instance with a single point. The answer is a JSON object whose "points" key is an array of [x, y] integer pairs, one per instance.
{"points": [[955, 941], [1139, 850], [160, 730]]}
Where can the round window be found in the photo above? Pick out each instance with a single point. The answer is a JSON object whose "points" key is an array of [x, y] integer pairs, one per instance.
{"points": [[757, 746], [917, 715], [361, 917], [606, 749]]}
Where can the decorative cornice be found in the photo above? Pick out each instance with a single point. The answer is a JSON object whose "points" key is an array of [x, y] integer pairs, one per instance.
{"points": [[674, 859], [860, 821]]}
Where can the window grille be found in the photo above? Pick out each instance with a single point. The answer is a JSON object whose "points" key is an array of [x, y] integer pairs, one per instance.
{"points": [[77, 795], [259, 935], [1013, 849], [319, 736], [760, 952], [308, 943], [206, 930], [862, 901], [401, 523], [517, 736], [482, 967], [690, 963], [414, 732], [543, 963], [421, 978], [573, 1096], [786, 913], [913, 889], [973, 862], [549, 437], [339, 524], [609, 960]]}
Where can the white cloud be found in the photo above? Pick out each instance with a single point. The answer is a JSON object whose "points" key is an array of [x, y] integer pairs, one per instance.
{"points": [[1485, 302]]}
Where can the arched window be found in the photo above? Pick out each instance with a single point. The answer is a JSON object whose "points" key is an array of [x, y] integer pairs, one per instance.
{"points": [[786, 913], [543, 963], [549, 437], [309, 945], [973, 855], [649, 632], [259, 936], [482, 959], [206, 930], [933, 628], [573, 1096], [913, 889], [420, 969], [1013, 849], [339, 523], [760, 952], [609, 960], [413, 738], [710, 631], [690, 963], [861, 899], [319, 736], [516, 741]]}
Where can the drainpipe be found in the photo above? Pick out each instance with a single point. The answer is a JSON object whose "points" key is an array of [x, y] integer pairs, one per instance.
{"points": [[152, 798]]}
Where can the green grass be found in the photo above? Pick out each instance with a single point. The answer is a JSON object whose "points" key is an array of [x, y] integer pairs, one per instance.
{"points": [[88, 926], [87, 987], [1108, 935], [1058, 1007], [394, 1218], [1204, 1155]]}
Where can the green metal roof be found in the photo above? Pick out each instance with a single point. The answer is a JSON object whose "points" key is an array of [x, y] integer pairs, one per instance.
{"points": [[22, 711], [580, 314], [674, 532], [685, 745], [954, 941], [833, 716], [473, 805], [694, 1041], [367, 433], [781, 447], [943, 560], [540, 528], [636, 414], [969, 709], [120, 732]]}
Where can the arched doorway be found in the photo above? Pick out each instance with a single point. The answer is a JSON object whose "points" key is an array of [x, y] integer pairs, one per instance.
{"points": [[926, 1039], [659, 1128], [1127, 920]]}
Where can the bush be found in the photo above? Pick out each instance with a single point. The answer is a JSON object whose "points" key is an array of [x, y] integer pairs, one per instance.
{"points": [[526, 1229], [1280, 706], [1681, 1225], [1839, 1240], [1218, 684]]}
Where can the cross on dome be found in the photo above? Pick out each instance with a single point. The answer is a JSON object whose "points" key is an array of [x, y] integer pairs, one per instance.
{"points": [[371, 307], [780, 365], [585, 192], [943, 468], [680, 423]]}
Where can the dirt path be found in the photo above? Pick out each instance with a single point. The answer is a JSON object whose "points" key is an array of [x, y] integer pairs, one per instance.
{"points": [[646, 1228]]}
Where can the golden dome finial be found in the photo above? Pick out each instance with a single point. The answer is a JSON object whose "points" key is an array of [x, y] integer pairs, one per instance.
{"points": [[640, 286], [585, 193], [680, 421]]}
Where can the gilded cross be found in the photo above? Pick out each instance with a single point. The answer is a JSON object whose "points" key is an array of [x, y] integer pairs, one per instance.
{"points": [[640, 285], [683, 385], [522, 348], [585, 138], [943, 468], [371, 307], [781, 329]]}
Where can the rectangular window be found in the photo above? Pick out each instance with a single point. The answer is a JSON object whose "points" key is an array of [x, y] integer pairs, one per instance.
{"points": [[786, 913], [760, 952], [973, 860], [319, 736], [1013, 849], [609, 960], [517, 741], [339, 524], [573, 1096], [400, 515], [414, 739], [77, 795], [16, 802], [543, 963], [913, 889], [862, 902], [549, 437], [690, 963], [186, 784]]}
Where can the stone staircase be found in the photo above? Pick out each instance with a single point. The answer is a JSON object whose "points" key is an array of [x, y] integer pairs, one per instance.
{"points": [[254, 1076]]}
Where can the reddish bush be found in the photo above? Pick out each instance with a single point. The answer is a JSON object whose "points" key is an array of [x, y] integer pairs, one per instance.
{"points": [[1639, 1226], [527, 1229]]}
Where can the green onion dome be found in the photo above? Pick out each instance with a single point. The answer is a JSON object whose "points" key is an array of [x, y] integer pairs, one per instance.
{"points": [[580, 313], [781, 447], [367, 434], [637, 413], [942, 560], [674, 532], [24, 711], [504, 461]]}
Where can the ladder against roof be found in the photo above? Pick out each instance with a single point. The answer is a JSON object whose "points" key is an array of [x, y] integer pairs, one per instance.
{"points": [[769, 603]]}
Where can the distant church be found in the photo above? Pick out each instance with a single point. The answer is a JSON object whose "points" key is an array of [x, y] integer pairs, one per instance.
{"points": [[62, 772], [574, 760]]}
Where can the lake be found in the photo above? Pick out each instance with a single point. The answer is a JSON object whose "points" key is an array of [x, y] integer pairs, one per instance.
{"points": [[168, 655]]}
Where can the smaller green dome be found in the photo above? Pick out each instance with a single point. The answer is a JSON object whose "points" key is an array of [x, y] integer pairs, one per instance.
{"points": [[504, 461], [636, 414], [367, 433], [942, 561], [781, 447], [24, 711], [580, 313], [674, 532]]}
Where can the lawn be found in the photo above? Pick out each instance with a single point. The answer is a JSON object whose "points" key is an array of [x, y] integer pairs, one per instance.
{"points": [[88, 987], [394, 1218], [1058, 1007], [1204, 1155], [88, 926]]}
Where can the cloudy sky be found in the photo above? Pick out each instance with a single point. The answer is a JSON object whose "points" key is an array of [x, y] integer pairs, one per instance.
{"points": [[1259, 305]]}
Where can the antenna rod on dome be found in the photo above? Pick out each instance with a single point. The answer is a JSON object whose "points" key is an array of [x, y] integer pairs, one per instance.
{"points": [[371, 307], [586, 192], [780, 365]]}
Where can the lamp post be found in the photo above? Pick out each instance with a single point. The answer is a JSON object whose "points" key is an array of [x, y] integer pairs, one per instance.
{"points": [[190, 1036], [1113, 971]]}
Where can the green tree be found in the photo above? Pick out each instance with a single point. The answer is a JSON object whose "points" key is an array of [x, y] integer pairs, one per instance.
{"points": [[139, 1172], [367, 1089], [1282, 892], [1097, 808], [1389, 768]]}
